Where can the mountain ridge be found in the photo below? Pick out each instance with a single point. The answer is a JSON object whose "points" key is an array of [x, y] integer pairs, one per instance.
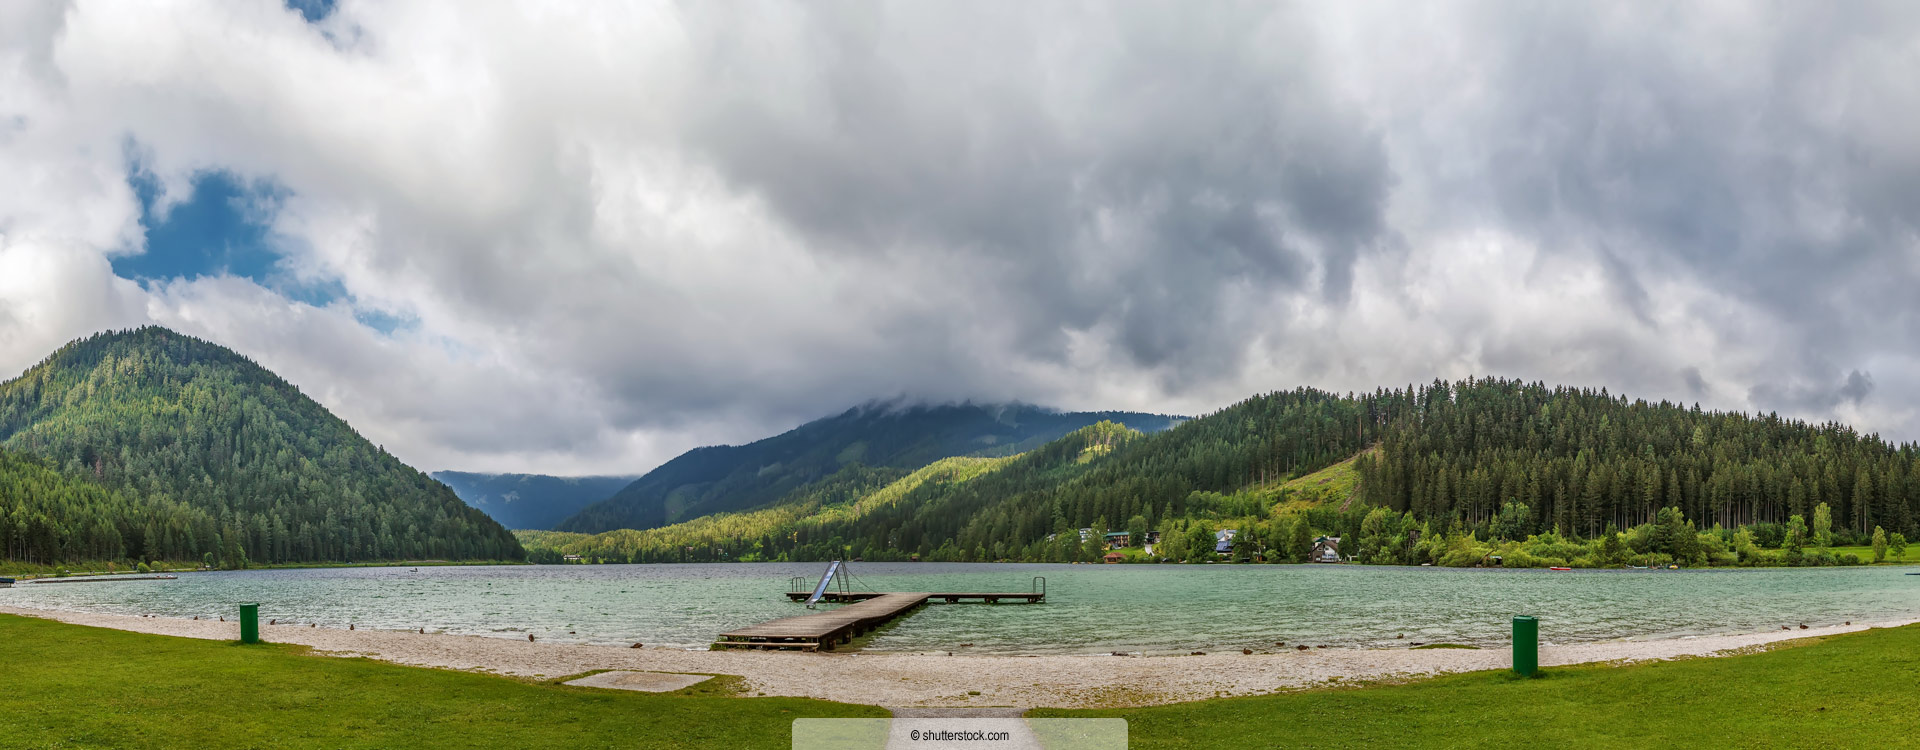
{"points": [[530, 501], [1451, 473], [728, 478]]}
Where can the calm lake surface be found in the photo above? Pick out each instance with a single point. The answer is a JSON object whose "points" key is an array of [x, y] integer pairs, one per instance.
{"points": [[1090, 608]]}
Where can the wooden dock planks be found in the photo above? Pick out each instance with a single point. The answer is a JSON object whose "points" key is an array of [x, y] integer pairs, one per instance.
{"points": [[945, 596], [821, 631]]}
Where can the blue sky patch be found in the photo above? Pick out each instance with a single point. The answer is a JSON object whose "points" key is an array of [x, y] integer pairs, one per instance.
{"points": [[222, 227], [225, 227], [312, 10], [384, 322]]}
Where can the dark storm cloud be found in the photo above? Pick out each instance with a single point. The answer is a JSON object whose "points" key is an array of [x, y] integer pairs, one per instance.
{"points": [[1752, 152], [1170, 154], [1814, 397], [1696, 385]]}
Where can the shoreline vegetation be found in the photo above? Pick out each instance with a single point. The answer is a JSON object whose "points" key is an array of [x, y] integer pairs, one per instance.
{"points": [[1397, 539], [102, 687], [25, 572]]}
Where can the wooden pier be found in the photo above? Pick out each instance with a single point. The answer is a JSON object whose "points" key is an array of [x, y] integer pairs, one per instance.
{"points": [[866, 610], [821, 631], [860, 613], [992, 597]]}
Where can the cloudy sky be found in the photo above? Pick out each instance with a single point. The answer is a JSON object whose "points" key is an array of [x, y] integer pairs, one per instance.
{"points": [[573, 240]]}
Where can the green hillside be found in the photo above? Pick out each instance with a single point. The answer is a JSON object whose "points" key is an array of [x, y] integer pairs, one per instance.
{"points": [[721, 479], [787, 529], [47, 517], [205, 452], [1451, 473]]}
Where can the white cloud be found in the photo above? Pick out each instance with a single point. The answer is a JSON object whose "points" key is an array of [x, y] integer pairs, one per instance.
{"points": [[615, 233]]}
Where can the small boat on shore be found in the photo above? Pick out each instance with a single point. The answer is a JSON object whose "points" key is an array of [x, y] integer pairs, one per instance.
{"points": [[1559, 568], [6, 583]]}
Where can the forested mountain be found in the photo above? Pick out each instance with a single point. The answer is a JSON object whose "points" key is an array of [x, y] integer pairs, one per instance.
{"points": [[1445, 473], [47, 517], [730, 478], [227, 460], [530, 501]]}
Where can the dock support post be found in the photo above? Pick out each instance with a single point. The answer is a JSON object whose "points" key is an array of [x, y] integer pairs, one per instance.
{"points": [[249, 623], [1526, 645]]}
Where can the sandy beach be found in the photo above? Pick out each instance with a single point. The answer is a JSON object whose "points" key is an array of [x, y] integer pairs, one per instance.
{"points": [[939, 679]]}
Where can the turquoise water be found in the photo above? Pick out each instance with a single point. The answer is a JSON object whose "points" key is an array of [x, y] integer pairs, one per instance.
{"points": [[1090, 608]]}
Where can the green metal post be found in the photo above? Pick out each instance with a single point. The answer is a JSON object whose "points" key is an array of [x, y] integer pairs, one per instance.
{"points": [[1526, 645], [249, 623]]}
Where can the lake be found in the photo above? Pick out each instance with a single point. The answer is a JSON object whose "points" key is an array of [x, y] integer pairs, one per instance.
{"points": [[1090, 608]]}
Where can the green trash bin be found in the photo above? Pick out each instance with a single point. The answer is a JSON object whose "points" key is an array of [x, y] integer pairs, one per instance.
{"points": [[1526, 645], [249, 623]]}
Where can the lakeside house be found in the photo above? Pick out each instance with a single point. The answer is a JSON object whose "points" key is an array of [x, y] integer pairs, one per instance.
{"points": [[1223, 541], [1118, 539], [1114, 557], [1326, 549], [571, 558]]}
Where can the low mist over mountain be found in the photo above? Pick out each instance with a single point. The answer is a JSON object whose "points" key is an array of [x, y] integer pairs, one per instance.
{"points": [[727, 478], [530, 501]]}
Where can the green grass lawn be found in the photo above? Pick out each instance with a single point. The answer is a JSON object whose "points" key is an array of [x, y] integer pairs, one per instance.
{"points": [[1866, 554], [67, 686], [71, 686], [1856, 690]]}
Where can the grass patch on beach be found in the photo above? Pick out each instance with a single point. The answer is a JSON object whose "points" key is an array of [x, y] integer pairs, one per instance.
{"points": [[74, 686], [1443, 645], [1865, 554], [1852, 690]]}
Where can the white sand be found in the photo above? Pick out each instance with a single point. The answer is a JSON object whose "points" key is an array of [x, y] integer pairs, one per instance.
{"points": [[938, 679]]}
